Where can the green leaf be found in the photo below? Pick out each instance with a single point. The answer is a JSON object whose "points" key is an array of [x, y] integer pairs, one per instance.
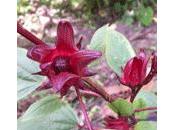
{"points": [[48, 113], [146, 125], [138, 104], [122, 107], [26, 87], [146, 15], [149, 97], [115, 47], [98, 41], [24, 62], [127, 19], [27, 82]]}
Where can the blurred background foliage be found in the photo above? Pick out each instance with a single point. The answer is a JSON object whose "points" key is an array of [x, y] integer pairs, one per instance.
{"points": [[92, 11]]}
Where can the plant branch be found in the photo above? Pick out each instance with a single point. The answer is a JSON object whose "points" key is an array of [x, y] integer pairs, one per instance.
{"points": [[146, 109], [28, 35], [89, 93], [97, 88], [134, 93], [83, 109]]}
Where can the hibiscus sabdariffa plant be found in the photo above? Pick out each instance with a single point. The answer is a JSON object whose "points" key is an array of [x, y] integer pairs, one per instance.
{"points": [[135, 72], [65, 65]]}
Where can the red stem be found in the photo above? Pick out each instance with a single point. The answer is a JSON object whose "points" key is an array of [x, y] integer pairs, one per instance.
{"points": [[97, 88], [146, 109], [89, 93], [134, 93], [84, 109], [28, 35]]}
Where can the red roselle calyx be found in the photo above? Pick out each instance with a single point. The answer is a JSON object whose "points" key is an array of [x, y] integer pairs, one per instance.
{"points": [[135, 70], [64, 64], [117, 124]]}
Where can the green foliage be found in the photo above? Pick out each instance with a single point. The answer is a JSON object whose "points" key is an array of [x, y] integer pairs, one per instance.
{"points": [[48, 113], [26, 82], [145, 15], [127, 18], [138, 104], [95, 10], [122, 107], [114, 46], [23, 2], [125, 108], [118, 8], [146, 125], [45, 2], [23, 6]]}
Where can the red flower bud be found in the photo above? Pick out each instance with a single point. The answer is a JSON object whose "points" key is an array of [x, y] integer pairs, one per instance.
{"points": [[135, 70], [116, 124]]}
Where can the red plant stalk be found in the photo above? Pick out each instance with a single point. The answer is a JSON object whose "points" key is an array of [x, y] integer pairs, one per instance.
{"points": [[97, 88], [89, 93], [146, 109], [134, 93], [28, 35], [83, 109]]}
